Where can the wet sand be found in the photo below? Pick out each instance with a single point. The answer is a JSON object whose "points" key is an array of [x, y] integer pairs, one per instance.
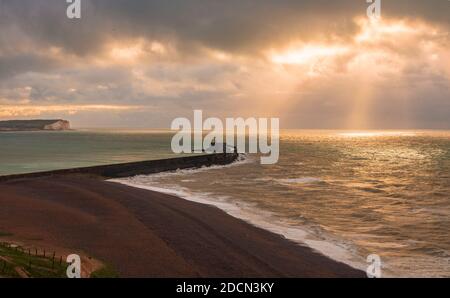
{"points": [[148, 234]]}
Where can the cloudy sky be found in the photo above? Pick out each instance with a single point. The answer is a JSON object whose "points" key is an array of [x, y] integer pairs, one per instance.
{"points": [[313, 63]]}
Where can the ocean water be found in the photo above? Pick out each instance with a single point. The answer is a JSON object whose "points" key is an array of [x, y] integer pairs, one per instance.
{"points": [[347, 195], [26, 152]]}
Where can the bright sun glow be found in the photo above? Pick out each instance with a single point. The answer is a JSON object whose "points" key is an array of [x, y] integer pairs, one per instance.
{"points": [[371, 134], [374, 31], [129, 51], [307, 54], [126, 53]]}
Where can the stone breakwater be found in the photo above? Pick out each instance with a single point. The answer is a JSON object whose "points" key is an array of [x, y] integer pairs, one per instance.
{"points": [[136, 168]]}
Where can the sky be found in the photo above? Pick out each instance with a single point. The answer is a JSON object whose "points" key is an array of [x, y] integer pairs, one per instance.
{"points": [[312, 63]]}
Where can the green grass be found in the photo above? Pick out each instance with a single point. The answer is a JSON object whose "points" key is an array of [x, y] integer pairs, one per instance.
{"points": [[15, 258], [105, 272]]}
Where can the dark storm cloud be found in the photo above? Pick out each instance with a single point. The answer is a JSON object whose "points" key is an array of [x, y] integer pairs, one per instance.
{"points": [[15, 64], [243, 27], [229, 25]]}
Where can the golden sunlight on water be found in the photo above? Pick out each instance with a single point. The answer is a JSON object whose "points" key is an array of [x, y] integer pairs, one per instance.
{"points": [[376, 134], [347, 194], [351, 193]]}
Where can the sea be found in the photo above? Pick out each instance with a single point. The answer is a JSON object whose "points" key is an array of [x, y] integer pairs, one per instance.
{"points": [[345, 194]]}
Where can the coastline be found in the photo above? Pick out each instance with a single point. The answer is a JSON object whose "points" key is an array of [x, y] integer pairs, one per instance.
{"points": [[331, 248], [121, 170], [143, 233]]}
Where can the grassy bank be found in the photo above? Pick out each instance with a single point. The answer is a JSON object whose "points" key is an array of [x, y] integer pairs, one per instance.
{"points": [[19, 262], [15, 261]]}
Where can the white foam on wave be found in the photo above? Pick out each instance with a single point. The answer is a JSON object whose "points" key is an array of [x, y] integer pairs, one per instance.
{"points": [[241, 160]]}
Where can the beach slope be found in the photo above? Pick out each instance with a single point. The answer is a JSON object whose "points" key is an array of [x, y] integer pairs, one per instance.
{"points": [[148, 234]]}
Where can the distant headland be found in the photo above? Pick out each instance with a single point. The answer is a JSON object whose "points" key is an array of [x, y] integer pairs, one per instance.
{"points": [[34, 125]]}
